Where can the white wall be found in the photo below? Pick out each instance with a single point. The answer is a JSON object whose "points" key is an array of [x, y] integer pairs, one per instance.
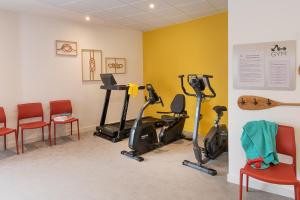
{"points": [[10, 78], [252, 21], [38, 75]]}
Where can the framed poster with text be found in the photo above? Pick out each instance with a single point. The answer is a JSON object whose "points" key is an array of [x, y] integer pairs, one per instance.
{"points": [[265, 66]]}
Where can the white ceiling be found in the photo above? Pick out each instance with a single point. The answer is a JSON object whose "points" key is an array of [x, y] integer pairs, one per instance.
{"points": [[132, 14]]}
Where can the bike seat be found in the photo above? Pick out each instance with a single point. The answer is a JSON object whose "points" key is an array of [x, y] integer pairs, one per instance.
{"points": [[220, 109]]}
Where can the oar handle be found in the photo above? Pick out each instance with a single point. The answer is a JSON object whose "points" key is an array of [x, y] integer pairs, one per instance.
{"points": [[290, 104]]}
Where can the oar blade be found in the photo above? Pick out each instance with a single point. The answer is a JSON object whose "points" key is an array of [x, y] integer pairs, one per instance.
{"points": [[256, 103]]}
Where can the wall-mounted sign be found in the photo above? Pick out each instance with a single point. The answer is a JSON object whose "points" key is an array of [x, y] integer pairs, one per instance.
{"points": [[66, 48], [91, 64], [265, 66], [115, 65]]}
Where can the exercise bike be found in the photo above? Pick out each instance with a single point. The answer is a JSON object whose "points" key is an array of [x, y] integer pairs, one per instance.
{"points": [[216, 141], [143, 137]]}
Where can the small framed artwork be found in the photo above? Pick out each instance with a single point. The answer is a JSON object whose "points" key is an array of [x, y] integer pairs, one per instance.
{"points": [[91, 64], [66, 48], [115, 65]]}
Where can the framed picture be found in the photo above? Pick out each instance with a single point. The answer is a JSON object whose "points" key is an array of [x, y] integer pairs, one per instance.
{"points": [[91, 64], [115, 65], [66, 48]]}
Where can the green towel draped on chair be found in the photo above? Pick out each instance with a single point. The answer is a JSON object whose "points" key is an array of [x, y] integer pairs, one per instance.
{"points": [[259, 141]]}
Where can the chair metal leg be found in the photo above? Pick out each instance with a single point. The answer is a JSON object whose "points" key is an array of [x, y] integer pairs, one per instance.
{"points": [[43, 134], [296, 190], [5, 142], [17, 145], [297, 197], [71, 128], [247, 183], [78, 129], [241, 186], [49, 135], [54, 134], [22, 138]]}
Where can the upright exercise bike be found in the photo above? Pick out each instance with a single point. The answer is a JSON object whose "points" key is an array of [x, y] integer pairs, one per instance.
{"points": [[143, 137], [216, 141]]}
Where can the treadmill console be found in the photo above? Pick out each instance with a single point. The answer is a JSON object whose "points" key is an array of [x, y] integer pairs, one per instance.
{"points": [[108, 79]]}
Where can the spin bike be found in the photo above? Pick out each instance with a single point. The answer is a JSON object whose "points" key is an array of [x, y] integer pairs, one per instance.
{"points": [[216, 141], [143, 137]]}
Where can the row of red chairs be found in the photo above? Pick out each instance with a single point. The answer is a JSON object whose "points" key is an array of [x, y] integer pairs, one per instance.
{"points": [[35, 110]]}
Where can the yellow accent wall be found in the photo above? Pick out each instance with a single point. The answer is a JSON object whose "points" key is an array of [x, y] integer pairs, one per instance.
{"points": [[199, 46]]}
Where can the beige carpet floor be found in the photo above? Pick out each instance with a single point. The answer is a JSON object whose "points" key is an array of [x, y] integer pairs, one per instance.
{"points": [[93, 169]]}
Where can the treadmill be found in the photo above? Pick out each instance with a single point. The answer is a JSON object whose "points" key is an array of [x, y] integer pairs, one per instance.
{"points": [[117, 131]]}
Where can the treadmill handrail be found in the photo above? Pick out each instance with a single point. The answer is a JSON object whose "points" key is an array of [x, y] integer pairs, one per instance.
{"points": [[118, 87], [114, 87]]}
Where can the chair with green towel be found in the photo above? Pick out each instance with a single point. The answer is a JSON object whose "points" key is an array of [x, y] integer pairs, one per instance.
{"points": [[279, 173]]}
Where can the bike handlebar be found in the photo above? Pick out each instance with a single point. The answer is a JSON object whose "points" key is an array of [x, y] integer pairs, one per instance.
{"points": [[183, 88], [206, 82], [161, 102], [153, 97], [213, 93]]}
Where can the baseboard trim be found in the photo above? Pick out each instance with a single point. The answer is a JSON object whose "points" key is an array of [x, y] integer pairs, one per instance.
{"points": [[282, 190], [82, 129], [37, 137]]}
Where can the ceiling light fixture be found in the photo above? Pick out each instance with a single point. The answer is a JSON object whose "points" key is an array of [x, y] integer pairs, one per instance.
{"points": [[151, 5], [87, 18]]}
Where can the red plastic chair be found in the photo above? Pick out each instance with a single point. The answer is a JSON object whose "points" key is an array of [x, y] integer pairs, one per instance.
{"points": [[59, 107], [284, 174], [5, 131], [31, 110]]}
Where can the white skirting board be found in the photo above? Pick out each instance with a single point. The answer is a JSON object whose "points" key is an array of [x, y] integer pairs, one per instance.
{"points": [[37, 135], [282, 190]]}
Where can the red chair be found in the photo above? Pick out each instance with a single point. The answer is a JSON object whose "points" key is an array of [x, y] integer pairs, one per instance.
{"points": [[28, 111], [5, 131], [60, 107], [284, 174]]}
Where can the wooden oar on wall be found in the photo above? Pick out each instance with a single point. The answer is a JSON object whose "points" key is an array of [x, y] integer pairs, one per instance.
{"points": [[260, 103]]}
